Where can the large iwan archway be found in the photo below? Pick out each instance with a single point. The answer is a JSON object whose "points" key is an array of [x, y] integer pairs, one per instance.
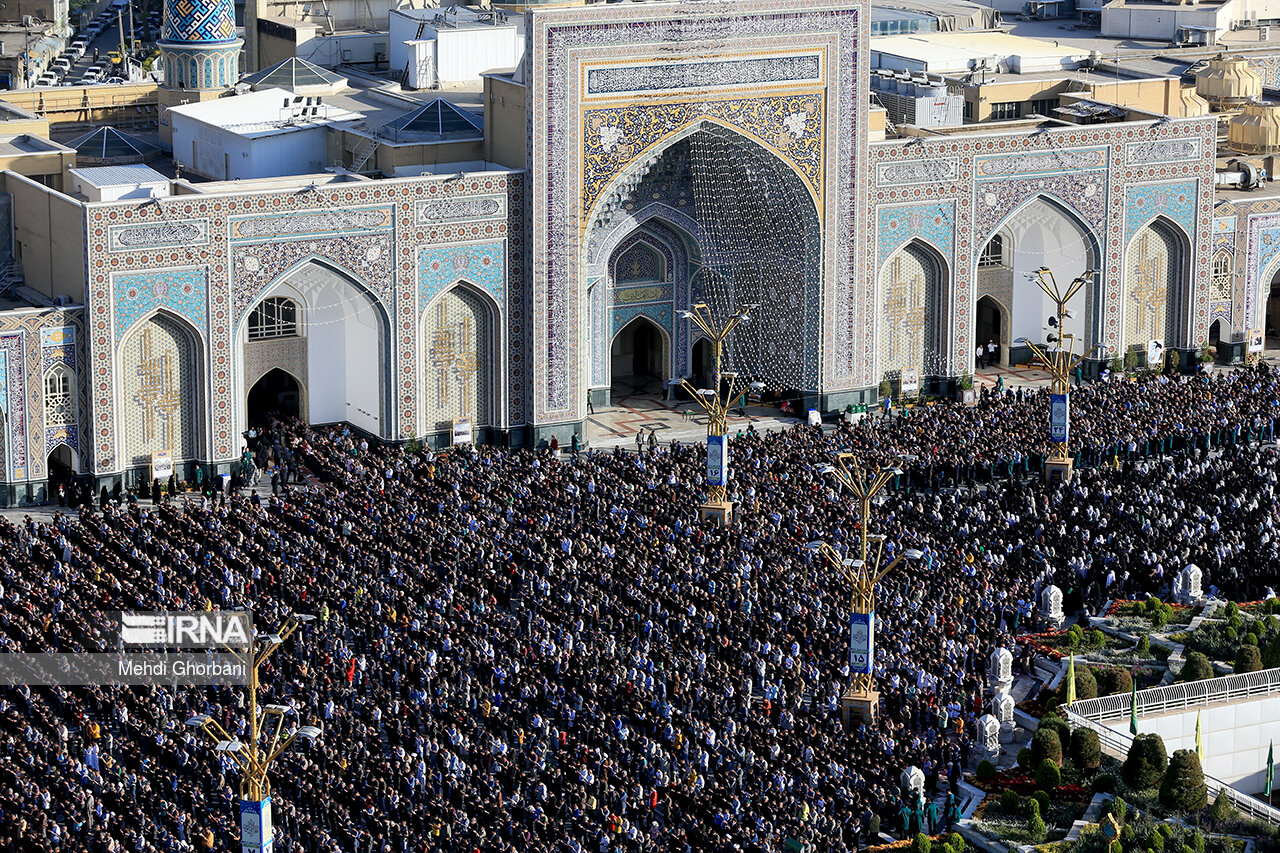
{"points": [[754, 239]]}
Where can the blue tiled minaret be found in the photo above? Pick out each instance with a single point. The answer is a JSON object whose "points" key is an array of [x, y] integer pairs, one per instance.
{"points": [[199, 51]]}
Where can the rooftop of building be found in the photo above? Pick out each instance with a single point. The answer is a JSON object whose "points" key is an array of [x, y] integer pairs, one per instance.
{"points": [[956, 52], [20, 144], [119, 176], [11, 112], [268, 112], [462, 17]]}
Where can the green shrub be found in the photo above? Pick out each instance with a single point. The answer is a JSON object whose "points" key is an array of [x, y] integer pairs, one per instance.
{"points": [[1231, 611], [1075, 636], [1046, 744], [1232, 635], [1104, 783], [1115, 847], [1145, 764], [1024, 758], [1183, 789], [1248, 659], [1042, 800], [1086, 753], [1119, 809], [1118, 681], [1052, 704], [1250, 639], [1271, 657], [1222, 809], [1009, 801], [1156, 842], [956, 840], [1058, 724], [1048, 775], [1096, 639], [921, 843], [1086, 684], [1035, 824], [985, 771], [1196, 668], [1144, 646], [946, 848], [1197, 841], [1159, 619]]}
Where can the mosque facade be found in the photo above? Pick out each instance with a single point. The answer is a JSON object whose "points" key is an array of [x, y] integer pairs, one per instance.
{"points": [[675, 154]]}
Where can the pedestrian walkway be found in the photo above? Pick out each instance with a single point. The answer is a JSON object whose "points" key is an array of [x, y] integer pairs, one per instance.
{"points": [[686, 421]]}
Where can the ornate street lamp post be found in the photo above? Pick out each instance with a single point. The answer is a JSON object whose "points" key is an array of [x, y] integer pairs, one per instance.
{"points": [[254, 758], [717, 400], [1061, 360], [861, 699]]}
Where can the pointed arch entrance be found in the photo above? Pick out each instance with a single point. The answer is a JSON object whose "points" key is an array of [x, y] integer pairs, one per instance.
{"points": [[1043, 232], [321, 328], [639, 359], [276, 395]]}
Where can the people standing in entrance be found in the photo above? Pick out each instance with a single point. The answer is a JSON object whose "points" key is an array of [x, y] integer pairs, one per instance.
{"points": [[977, 356], [888, 405], [993, 353], [590, 405], [574, 445], [555, 446]]}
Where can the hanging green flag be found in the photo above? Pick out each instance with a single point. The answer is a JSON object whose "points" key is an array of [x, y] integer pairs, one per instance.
{"points": [[1133, 711], [1071, 680], [1199, 741], [1271, 769]]}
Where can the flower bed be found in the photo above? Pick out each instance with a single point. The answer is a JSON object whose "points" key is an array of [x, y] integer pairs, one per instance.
{"points": [[1182, 613], [1024, 784], [1056, 645]]}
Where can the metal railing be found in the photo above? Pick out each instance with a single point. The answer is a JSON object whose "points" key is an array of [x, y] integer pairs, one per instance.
{"points": [[1089, 713], [1158, 700]]}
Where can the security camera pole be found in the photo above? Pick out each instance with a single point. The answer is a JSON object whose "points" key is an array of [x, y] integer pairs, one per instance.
{"points": [[254, 758], [1061, 360], [862, 699], [717, 401]]}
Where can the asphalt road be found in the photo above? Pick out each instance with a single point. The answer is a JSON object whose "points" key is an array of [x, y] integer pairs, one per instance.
{"points": [[109, 40]]}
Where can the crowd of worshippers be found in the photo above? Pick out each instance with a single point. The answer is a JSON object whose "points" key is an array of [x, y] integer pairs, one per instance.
{"points": [[528, 651]]}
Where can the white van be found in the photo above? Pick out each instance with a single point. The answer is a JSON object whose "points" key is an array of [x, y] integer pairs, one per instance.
{"points": [[62, 65], [47, 79]]}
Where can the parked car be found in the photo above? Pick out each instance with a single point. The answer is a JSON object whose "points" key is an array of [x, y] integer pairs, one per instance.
{"points": [[62, 64], [47, 80]]}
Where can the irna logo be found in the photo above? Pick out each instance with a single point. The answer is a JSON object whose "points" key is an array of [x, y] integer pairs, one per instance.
{"points": [[211, 629]]}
